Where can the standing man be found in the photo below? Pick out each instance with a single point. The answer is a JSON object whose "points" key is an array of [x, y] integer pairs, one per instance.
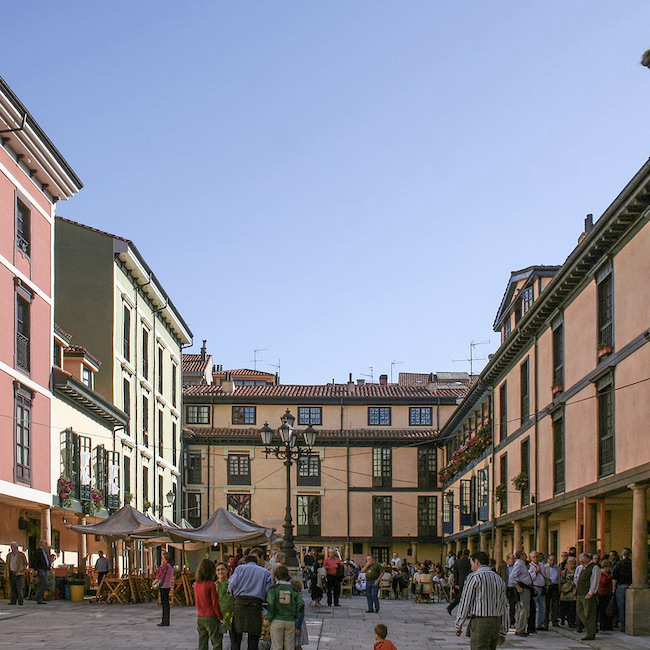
{"points": [[537, 570], [552, 591], [331, 564], [587, 595], [462, 568], [504, 572], [522, 583], [372, 571], [15, 568], [102, 567], [42, 566], [396, 561], [484, 601], [621, 580], [248, 584]]}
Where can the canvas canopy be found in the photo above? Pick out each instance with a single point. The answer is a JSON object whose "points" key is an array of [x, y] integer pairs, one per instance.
{"points": [[126, 522], [225, 527]]}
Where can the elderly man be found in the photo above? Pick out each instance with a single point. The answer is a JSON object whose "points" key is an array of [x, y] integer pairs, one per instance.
{"points": [[331, 564], [483, 601], [538, 573], [42, 562], [522, 583], [249, 584], [587, 581], [372, 572], [15, 568]]}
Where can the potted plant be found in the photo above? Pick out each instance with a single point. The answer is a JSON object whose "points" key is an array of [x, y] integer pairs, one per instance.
{"points": [[521, 481], [64, 488], [128, 497], [604, 349], [77, 582], [500, 492], [146, 504], [557, 389]]}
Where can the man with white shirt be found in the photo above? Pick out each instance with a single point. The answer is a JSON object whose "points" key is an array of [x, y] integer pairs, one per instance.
{"points": [[396, 561], [537, 570], [552, 591], [587, 578], [521, 581]]}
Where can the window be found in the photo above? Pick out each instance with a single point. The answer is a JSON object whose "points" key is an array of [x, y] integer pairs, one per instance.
{"points": [[420, 416], [427, 468], [380, 554], [112, 493], [525, 395], [558, 452], [243, 414], [160, 370], [145, 353], [23, 307], [605, 310], [467, 502], [76, 462], [503, 411], [174, 445], [240, 504], [309, 515], [427, 516], [23, 227], [126, 461], [160, 494], [174, 380], [525, 467], [198, 414], [194, 508], [517, 312], [87, 376], [558, 357], [57, 359], [239, 469], [483, 494], [145, 486], [309, 470], [448, 513], [605, 394], [101, 469], [310, 415], [23, 435], [382, 516], [161, 434], [507, 328], [381, 467], [193, 471], [503, 480], [145, 420], [126, 334], [126, 396], [379, 415], [527, 298]]}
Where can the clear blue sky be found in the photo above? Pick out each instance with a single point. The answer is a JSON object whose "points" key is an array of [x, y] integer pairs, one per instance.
{"points": [[346, 183]]}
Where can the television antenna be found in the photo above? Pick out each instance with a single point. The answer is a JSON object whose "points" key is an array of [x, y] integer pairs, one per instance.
{"points": [[392, 365], [255, 359], [277, 370], [363, 374], [471, 357]]}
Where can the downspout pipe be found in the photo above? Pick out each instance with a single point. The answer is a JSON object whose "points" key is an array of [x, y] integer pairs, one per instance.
{"points": [[536, 429]]}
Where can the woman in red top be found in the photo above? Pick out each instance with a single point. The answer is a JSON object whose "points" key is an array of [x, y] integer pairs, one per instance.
{"points": [[165, 574], [209, 616], [604, 596]]}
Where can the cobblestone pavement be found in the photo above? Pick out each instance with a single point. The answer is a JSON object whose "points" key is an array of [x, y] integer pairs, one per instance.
{"points": [[63, 625]]}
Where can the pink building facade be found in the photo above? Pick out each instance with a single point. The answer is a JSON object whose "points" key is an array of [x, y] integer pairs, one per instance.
{"points": [[33, 177]]}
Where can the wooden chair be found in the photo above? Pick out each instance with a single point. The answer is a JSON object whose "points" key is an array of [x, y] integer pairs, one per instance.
{"points": [[425, 584], [385, 585], [346, 587]]}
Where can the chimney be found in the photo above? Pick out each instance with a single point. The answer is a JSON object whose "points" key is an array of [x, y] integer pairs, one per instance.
{"points": [[589, 226], [350, 383], [383, 380], [228, 385], [203, 350], [431, 382], [361, 382]]}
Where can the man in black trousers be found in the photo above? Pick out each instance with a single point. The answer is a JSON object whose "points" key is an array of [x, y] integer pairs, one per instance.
{"points": [[462, 568]]}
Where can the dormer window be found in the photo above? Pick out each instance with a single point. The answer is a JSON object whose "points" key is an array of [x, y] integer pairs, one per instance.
{"points": [[527, 298], [87, 376]]}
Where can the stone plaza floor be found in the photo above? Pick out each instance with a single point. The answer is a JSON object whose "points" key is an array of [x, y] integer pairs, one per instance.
{"points": [[63, 625]]}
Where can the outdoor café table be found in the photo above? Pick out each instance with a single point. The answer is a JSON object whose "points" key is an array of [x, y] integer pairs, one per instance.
{"points": [[117, 590]]}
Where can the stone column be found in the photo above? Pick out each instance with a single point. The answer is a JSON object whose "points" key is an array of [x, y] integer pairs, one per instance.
{"points": [[518, 540], [483, 543], [542, 534], [459, 547], [637, 601], [46, 525], [82, 547], [414, 552], [498, 544]]}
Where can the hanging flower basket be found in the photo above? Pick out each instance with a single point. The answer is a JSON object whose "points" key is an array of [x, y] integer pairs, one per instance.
{"points": [[521, 481], [146, 505], [470, 450], [501, 492], [64, 487]]}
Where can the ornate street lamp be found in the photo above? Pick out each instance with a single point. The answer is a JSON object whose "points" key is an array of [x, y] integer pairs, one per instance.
{"points": [[289, 450]]}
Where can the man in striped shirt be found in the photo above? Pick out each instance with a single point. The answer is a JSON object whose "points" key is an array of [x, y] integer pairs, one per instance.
{"points": [[483, 601]]}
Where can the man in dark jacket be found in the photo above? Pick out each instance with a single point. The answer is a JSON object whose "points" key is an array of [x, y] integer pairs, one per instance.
{"points": [[42, 566], [462, 568]]}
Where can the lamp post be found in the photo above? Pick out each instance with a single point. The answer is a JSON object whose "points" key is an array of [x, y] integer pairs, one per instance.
{"points": [[289, 450]]}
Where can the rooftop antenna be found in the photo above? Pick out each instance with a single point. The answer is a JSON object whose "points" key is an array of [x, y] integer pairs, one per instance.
{"points": [[471, 357], [392, 365], [277, 370], [255, 359], [363, 374]]}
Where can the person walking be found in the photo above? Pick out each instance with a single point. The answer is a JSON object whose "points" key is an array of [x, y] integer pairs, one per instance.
{"points": [[372, 571], [15, 568], [522, 583], [331, 564], [42, 565], [102, 567], [587, 595], [249, 585], [165, 574], [484, 602], [285, 607], [209, 617]]}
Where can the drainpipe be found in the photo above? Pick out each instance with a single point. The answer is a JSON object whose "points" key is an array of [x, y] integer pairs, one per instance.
{"points": [[347, 471], [536, 429]]}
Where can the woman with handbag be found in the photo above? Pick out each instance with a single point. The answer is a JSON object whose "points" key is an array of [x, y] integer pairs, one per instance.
{"points": [[568, 592], [165, 580]]}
